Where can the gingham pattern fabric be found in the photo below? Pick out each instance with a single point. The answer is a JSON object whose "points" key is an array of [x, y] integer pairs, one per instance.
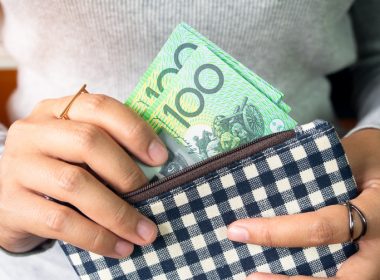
{"points": [[302, 174]]}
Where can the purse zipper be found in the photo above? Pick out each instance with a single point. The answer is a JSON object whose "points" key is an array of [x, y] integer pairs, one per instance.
{"points": [[213, 163]]}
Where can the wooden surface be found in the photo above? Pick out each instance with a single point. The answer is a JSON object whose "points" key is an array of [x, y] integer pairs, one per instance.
{"points": [[7, 85]]}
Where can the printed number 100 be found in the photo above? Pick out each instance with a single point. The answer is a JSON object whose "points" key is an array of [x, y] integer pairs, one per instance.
{"points": [[197, 93]]}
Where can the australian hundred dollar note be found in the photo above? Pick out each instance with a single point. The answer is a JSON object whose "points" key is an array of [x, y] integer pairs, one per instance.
{"points": [[163, 72], [209, 108], [182, 42]]}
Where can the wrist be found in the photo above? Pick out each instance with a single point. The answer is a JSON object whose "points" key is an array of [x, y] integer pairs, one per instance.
{"points": [[47, 244]]}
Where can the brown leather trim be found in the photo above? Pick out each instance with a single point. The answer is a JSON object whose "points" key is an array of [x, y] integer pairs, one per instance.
{"points": [[207, 166]]}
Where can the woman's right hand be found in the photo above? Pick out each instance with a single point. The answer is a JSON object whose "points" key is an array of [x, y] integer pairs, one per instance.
{"points": [[41, 158]]}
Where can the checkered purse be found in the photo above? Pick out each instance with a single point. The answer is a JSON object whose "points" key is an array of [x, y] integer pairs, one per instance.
{"points": [[285, 173]]}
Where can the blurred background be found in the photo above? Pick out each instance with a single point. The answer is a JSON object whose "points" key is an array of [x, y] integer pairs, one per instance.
{"points": [[7, 81], [341, 87]]}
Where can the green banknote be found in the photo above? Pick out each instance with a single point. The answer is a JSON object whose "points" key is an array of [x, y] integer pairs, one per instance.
{"points": [[210, 108], [204, 108], [171, 58], [267, 89]]}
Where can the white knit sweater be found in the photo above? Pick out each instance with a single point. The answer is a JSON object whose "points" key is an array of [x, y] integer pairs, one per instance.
{"points": [[293, 44]]}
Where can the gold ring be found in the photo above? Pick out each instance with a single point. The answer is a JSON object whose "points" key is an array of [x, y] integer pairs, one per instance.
{"points": [[64, 115]]}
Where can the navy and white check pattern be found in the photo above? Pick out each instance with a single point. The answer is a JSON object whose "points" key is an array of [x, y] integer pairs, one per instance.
{"points": [[302, 174]]}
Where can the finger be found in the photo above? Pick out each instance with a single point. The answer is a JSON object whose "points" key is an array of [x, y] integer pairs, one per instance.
{"points": [[268, 276], [124, 125], [76, 186], [328, 225], [325, 226], [84, 143], [51, 220]]}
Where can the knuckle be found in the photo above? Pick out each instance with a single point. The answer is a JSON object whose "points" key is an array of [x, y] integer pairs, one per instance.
{"points": [[321, 232], [19, 135], [98, 240], [137, 128], [7, 164], [97, 102], [267, 237], [56, 219], [70, 178], [132, 179], [17, 127], [87, 136], [7, 193], [7, 190], [122, 217]]}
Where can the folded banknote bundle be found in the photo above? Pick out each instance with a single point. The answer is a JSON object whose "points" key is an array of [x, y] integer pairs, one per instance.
{"points": [[203, 102]]}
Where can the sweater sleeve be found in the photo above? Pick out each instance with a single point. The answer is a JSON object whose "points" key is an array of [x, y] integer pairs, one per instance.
{"points": [[3, 130], [366, 97], [3, 135]]}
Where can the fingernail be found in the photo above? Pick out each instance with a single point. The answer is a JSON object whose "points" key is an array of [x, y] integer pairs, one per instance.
{"points": [[123, 248], [157, 151], [237, 233], [146, 230]]}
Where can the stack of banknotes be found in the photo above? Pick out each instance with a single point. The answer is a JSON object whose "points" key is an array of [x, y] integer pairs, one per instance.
{"points": [[202, 102]]}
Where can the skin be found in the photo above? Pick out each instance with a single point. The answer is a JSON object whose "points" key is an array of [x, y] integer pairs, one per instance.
{"points": [[329, 225], [45, 156], [48, 156]]}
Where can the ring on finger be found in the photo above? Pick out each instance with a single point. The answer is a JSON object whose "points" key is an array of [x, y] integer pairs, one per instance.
{"points": [[351, 221], [64, 115]]}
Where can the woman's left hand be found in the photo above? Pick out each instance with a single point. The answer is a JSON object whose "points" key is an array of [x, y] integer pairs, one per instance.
{"points": [[329, 225]]}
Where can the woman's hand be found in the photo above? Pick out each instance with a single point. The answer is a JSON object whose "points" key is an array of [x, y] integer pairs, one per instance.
{"points": [[329, 225], [43, 155]]}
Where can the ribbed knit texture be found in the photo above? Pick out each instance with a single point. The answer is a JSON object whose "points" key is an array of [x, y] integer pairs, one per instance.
{"points": [[109, 44], [293, 44]]}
